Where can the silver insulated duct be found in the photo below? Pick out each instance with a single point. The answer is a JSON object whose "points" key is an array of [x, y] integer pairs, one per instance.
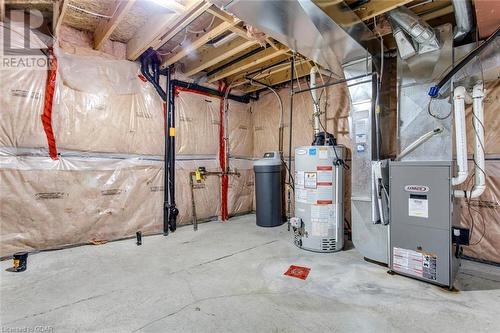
{"points": [[463, 18], [309, 29], [422, 34]]}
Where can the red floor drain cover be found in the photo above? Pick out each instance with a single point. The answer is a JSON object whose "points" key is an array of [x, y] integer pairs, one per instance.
{"points": [[298, 272]]}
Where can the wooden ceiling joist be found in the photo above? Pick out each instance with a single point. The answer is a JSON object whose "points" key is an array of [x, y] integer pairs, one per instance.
{"points": [[375, 8], [60, 19], [265, 74], [249, 62], [211, 56], [197, 43], [2, 10], [437, 13], [105, 28], [161, 28], [281, 77]]}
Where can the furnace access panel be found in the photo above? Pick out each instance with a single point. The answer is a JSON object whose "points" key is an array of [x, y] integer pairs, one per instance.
{"points": [[422, 214]]}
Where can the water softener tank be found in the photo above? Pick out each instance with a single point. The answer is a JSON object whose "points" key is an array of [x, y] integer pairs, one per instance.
{"points": [[268, 173]]}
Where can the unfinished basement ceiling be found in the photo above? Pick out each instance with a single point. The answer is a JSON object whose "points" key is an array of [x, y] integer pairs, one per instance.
{"points": [[209, 44]]}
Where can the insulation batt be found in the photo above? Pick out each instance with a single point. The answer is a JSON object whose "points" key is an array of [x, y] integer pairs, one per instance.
{"points": [[22, 94], [241, 189], [101, 105], [48, 204], [197, 124]]}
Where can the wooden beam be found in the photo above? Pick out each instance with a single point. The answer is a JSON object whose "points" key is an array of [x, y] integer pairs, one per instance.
{"points": [[105, 28], [56, 8], [375, 8], [281, 77], [2, 10], [160, 28], [437, 13], [212, 56], [228, 18], [61, 18], [196, 44], [259, 72], [365, 12], [241, 79], [251, 61]]}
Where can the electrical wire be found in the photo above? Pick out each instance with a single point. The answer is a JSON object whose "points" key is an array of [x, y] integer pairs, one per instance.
{"points": [[434, 115], [202, 30]]}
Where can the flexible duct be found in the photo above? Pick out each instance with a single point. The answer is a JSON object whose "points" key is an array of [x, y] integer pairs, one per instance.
{"points": [[463, 18], [478, 120], [418, 29], [460, 97]]}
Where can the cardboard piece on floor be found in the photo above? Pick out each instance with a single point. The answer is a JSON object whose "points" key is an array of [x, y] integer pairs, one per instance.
{"points": [[298, 272]]}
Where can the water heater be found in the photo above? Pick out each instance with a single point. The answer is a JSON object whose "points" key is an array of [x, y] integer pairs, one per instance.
{"points": [[319, 205]]}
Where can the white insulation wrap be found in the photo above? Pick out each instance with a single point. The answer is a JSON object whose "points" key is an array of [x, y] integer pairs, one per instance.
{"points": [[22, 94], [197, 124], [101, 105], [241, 188], [48, 204]]}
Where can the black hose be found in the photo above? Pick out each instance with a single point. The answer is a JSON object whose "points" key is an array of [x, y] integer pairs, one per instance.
{"points": [[434, 91]]}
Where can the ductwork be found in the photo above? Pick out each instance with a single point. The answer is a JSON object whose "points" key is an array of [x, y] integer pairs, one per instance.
{"points": [[421, 33], [463, 18], [329, 39], [405, 45]]}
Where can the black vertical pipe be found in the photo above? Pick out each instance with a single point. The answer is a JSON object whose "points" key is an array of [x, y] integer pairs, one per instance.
{"points": [[166, 191], [292, 74], [172, 209]]}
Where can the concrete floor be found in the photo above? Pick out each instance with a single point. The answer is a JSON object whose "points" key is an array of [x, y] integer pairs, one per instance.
{"points": [[229, 278]]}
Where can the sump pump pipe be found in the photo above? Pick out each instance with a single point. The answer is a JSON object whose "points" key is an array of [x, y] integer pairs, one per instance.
{"points": [[460, 97], [479, 161]]}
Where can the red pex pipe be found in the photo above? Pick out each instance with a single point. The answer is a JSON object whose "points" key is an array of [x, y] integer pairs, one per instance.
{"points": [[47, 109], [222, 158]]}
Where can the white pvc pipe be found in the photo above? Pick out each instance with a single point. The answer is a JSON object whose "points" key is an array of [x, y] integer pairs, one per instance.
{"points": [[316, 109], [460, 97], [480, 164]]}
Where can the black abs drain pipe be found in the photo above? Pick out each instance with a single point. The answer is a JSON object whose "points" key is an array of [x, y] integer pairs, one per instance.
{"points": [[150, 69]]}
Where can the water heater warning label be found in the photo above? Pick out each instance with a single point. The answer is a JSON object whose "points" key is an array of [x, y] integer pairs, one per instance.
{"points": [[414, 263], [310, 179]]}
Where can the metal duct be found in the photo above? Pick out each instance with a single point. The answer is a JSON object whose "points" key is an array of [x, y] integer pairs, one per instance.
{"points": [[418, 29], [463, 18], [310, 30]]}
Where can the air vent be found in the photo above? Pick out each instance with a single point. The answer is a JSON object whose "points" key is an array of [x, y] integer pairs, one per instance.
{"points": [[328, 244]]}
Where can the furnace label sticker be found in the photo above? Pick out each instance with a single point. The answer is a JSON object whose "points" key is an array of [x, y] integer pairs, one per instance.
{"points": [[407, 261], [310, 179], [429, 266], [414, 263], [418, 206]]}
